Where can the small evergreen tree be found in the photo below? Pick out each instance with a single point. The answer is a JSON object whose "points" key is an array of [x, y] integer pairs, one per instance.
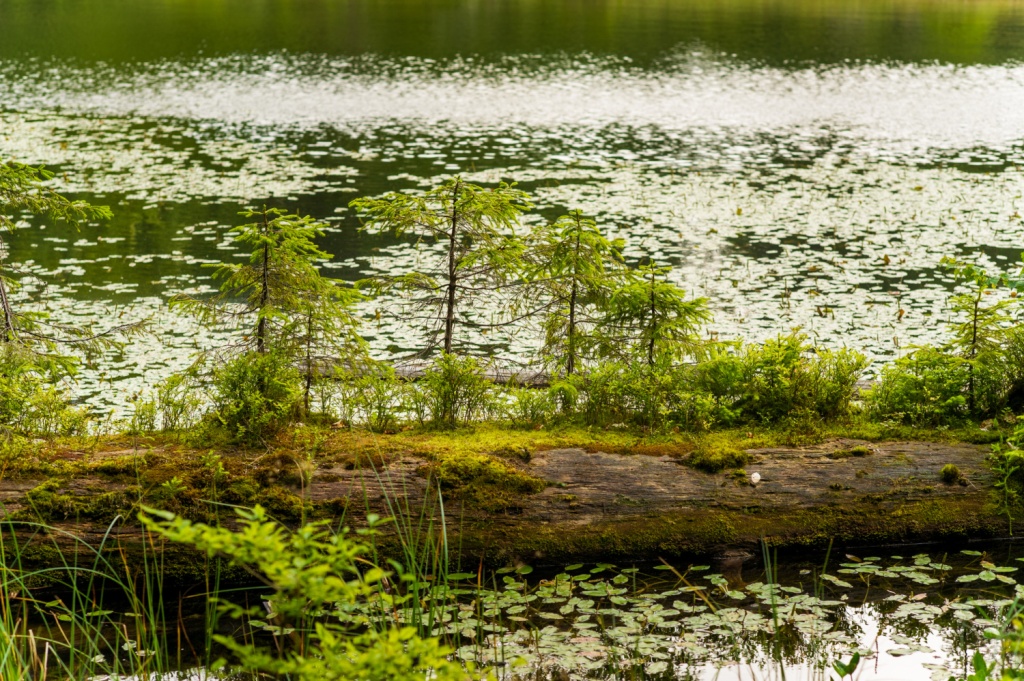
{"points": [[38, 342], [475, 224], [981, 327], [278, 299], [653, 318], [574, 270]]}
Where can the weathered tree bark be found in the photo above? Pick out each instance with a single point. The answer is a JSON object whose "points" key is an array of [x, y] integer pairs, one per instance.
{"points": [[649, 504], [261, 326], [453, 268]]}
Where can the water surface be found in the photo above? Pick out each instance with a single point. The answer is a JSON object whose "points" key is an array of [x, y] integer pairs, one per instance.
{"points": [[798, 163]]}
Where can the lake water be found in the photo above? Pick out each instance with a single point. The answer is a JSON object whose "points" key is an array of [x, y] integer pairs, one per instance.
{"points": [[800, 163], [919, 616]]}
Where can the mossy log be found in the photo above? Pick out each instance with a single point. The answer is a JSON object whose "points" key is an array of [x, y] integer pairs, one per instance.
{"points": [[595, 505]]}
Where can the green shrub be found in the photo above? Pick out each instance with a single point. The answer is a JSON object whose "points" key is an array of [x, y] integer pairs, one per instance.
{"points": [[652, 398], [416, 402], [721, 376], [833, 375], [601, 400], [529, 407], [255, 396], [926, 387], [772, 378], [144, 415], [376, 396], [457, 391], [179, 401], [31, 401], [782, 378], [320, 585]]}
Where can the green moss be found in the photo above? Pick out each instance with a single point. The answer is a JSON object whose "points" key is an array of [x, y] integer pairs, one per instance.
{"points": [[50, 502], [859, 450], [715, 453], [284, 505], [456, 471], [242, 491], [118, 468], [701, 531], [950, 474], [483, 481]]}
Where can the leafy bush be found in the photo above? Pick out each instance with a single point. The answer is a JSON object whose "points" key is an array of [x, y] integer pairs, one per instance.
{"points": [[457, 391], [926, 387], [178, 401], [782, 378], [144, 415], [30, 401], [255, 394], [322, 585], [530, 407], [833, 375], [773, 381], [376, 396], [1007, 463]]}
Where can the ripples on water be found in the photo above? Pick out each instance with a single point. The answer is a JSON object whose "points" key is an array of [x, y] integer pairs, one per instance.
{"points": [[840, 185]]}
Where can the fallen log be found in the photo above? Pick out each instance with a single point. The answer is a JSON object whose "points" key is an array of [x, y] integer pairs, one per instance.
{"points": [[595, 505]]}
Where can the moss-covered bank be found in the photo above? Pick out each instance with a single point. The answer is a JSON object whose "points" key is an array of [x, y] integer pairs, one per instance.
{"points": [[521, 495]]}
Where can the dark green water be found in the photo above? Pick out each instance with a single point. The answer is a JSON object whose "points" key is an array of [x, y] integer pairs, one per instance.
{"points": [[772, 31], [799, 163]]}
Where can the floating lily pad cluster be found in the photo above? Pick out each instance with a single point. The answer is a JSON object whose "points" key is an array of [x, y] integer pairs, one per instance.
{"points": [[601, 621]]}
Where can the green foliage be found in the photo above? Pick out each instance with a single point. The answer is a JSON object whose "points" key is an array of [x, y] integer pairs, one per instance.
{"points": [[30, 402], [847, 668], [648, 318], [26, 189], [38, 341], [255, 395], [476, 226], [271, 293], [530, 407], [457, 391], [635, 394], [282, 306], [783, 377], [979, 328], [572, 271], [377, 395], [318, 581], [143, 418], [178, 401], [1007, 464], [924, 388]]}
